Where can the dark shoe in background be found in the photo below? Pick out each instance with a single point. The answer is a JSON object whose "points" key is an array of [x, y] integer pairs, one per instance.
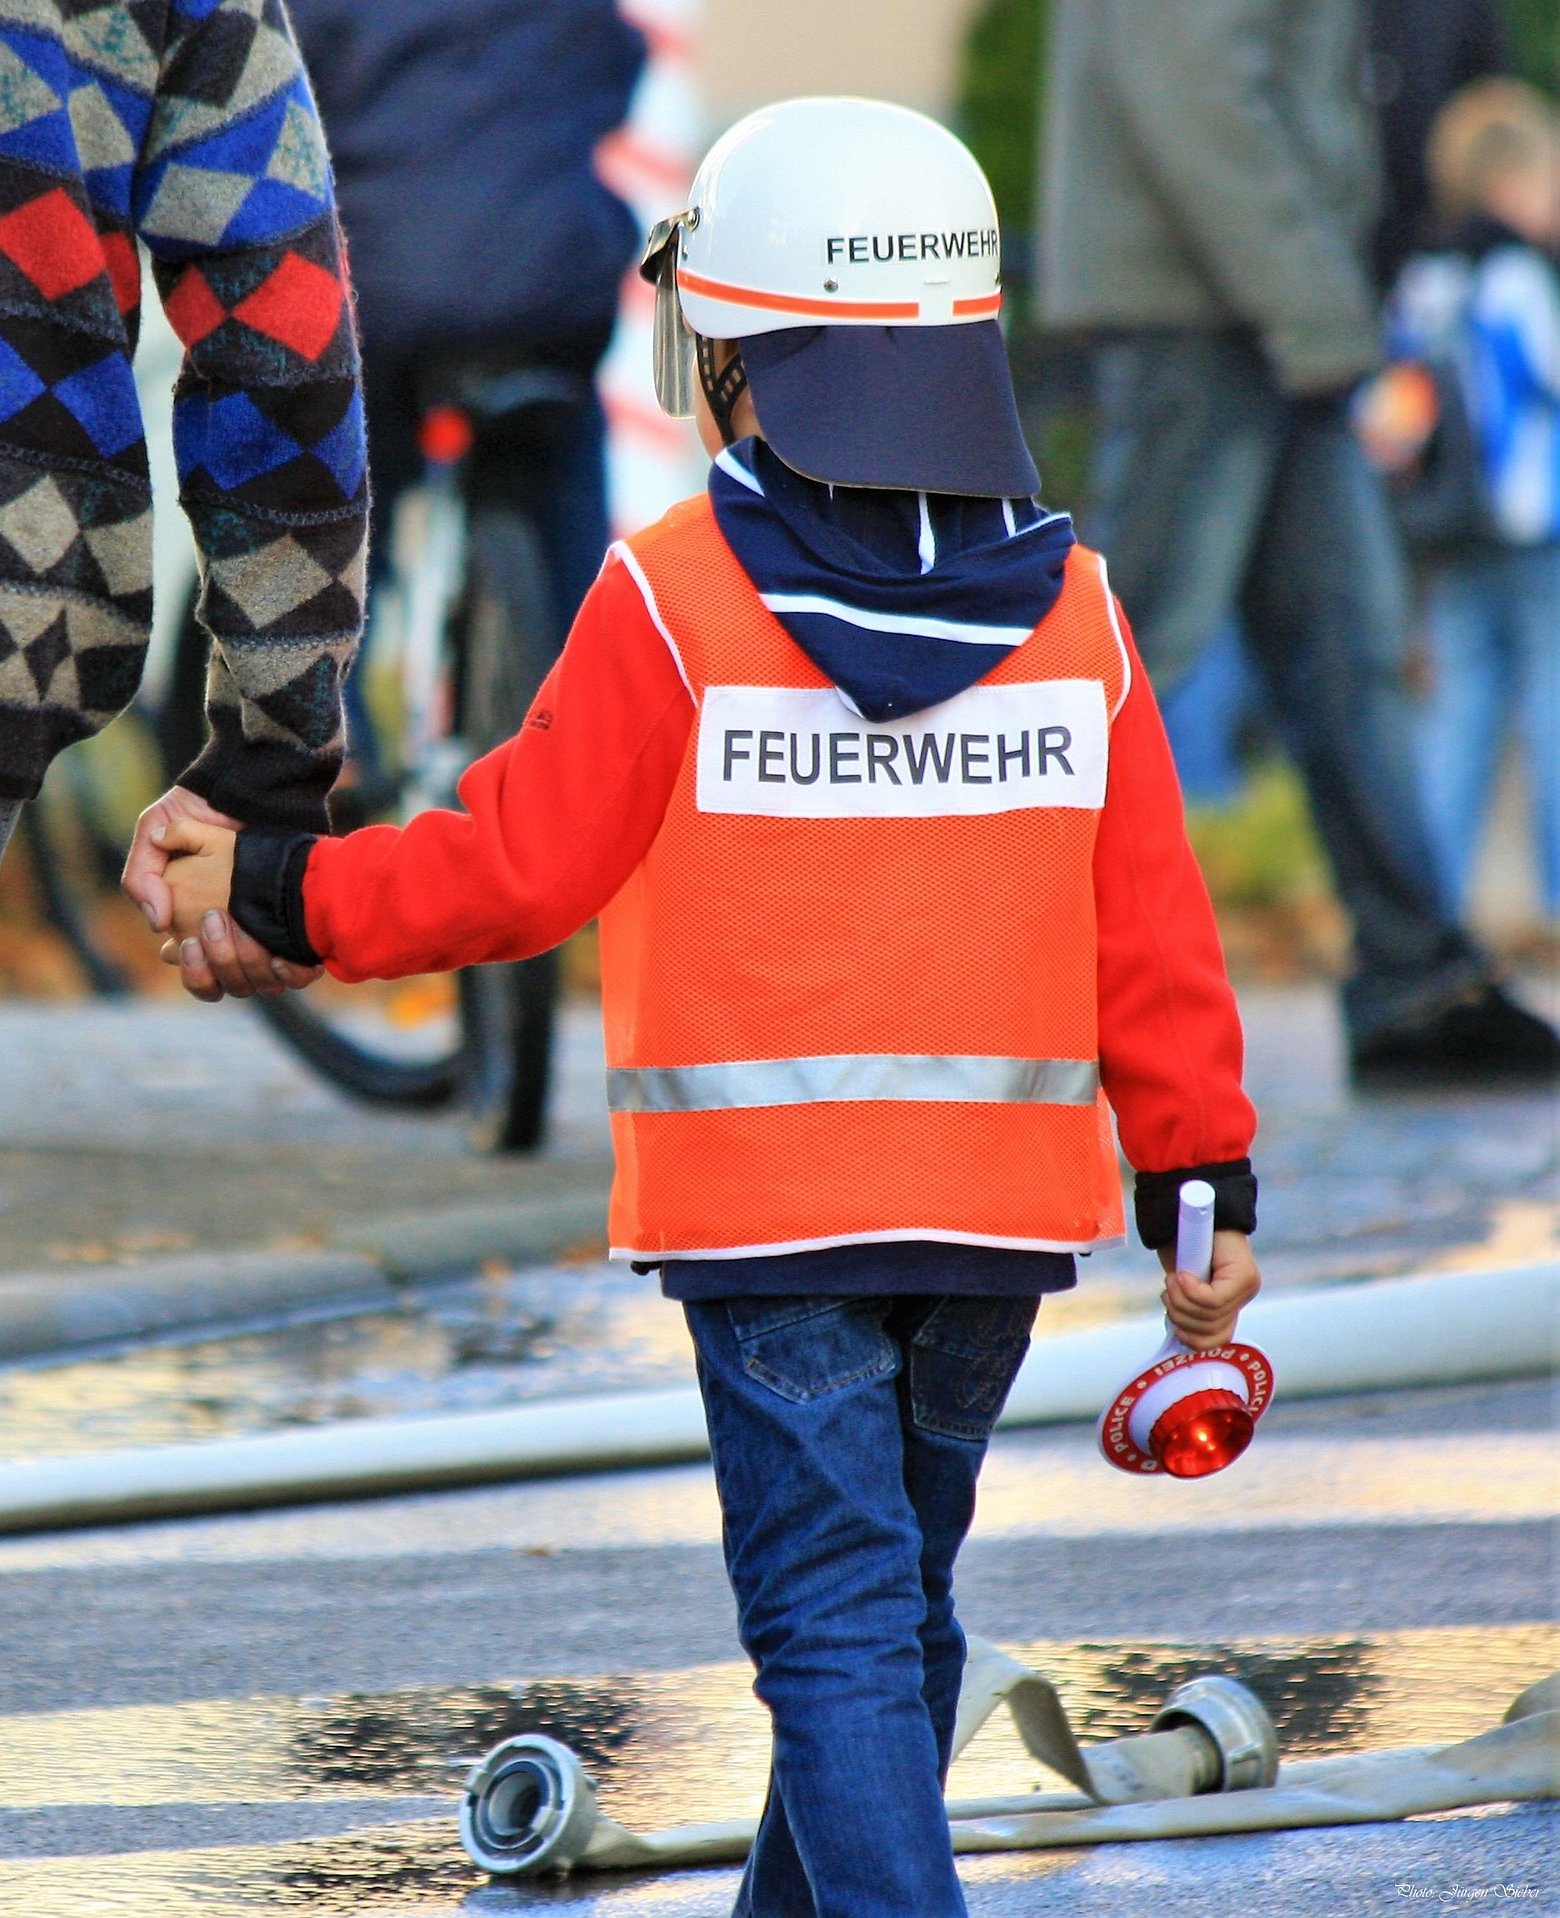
{"points": [[1486, 1039]]}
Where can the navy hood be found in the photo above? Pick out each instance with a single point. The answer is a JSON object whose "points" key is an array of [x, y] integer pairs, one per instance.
{"points": [[901, 599]]}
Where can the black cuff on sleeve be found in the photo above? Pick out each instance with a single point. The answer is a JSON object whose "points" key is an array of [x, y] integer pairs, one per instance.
{"points": [[267, 897], [263, 784], [1158, 1195]]}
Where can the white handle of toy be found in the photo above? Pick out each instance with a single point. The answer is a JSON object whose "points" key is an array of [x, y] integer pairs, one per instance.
{"points": [[1193, 1249], [1194, 1229]]}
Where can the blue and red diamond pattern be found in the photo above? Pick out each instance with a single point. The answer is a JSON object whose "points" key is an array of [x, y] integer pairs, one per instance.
{"points": [[101, 398], [235, 443]]}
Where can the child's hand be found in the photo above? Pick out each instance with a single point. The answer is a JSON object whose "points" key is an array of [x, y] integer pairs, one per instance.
{"points": [[1202, 1314], [214, 954], [200, 876]]}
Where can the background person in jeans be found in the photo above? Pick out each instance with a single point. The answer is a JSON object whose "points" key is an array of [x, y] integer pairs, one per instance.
{"points": [[1212, 182], [1487, 306]]}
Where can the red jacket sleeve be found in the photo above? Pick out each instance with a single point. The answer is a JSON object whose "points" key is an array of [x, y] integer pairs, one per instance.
{"points": [[555, 819], [1170, 1038]]}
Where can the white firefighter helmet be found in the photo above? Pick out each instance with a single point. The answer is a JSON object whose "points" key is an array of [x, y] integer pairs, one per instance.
{"points": [[852, 248]]}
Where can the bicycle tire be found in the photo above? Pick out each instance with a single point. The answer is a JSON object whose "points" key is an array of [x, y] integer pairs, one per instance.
{"points": [[509, 639], [77, 832], [500, 1063], [369, 1075], [68, 915], [361, 1070]]}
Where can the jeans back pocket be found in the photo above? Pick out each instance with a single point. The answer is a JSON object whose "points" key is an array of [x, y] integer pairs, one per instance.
{"points": [[805, 1348], [964, 1357]]}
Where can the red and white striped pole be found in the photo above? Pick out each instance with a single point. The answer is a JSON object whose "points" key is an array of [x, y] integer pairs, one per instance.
{"points": [[650, 161]]}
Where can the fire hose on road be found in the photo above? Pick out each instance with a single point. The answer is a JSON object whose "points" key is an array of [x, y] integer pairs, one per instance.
{"points": [[1208, 1764], [1436, 1329]]}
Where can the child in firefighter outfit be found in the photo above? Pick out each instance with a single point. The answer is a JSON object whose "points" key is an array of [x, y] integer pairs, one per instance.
{"points": [[854, 760]]}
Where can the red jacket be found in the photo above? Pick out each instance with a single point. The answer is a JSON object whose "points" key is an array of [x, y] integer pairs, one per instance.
{"points": [[559, 816]]}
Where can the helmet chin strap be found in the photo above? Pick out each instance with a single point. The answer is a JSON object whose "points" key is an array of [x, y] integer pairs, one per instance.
{"points": [[721, 390]]}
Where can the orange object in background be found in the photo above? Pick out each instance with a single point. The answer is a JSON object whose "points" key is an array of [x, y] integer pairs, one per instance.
{"points": [[1395, 414]]}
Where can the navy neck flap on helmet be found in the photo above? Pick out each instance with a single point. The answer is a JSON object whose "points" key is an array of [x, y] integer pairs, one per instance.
{"points": [[902, 599]]}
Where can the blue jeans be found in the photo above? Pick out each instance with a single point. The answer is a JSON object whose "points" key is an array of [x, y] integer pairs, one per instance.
{"points": [[847, 1435], [1493, 625], [1216, 492]]}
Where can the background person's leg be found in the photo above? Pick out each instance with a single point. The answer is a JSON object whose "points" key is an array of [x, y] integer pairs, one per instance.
{"points": [[10, 812], [1205, 714], [1188, 430], [1325, 607], [558, 480], [1461, 722], [1534, 615], [824, 1553], [570, 508]]}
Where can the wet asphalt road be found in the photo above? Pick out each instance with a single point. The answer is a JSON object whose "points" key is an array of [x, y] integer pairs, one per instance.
{"points": [[272, 1700], [259, 1713]]}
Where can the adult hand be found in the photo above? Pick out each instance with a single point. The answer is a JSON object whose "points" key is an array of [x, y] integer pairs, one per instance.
{"points": [[227, 960]]}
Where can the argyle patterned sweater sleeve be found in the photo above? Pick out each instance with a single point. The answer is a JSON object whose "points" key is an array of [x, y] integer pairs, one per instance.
{"points": [[188, 124], [234, 200]]}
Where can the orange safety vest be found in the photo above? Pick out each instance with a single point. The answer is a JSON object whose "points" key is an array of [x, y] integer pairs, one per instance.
{"points": [[850, 990]]}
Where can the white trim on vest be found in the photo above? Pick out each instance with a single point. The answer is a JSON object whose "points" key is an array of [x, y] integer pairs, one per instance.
{"points": [[620, 549], [1121, 639], [895, 1235]]}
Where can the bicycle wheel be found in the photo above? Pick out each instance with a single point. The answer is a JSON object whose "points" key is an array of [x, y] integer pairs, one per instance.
{"points": [[508, 640], [69, 877], [349, 1041], [396, 1044], [76, 833]]}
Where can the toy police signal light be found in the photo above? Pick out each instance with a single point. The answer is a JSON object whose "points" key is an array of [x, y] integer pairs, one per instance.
{"points": [[1202, 1433], [1188, 1413]]}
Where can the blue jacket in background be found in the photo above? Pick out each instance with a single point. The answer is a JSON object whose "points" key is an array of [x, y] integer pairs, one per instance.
{"points": [[462, 133]]}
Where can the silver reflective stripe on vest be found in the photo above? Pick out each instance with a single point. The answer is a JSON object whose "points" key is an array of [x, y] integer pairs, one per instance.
{"points": [[852, 1076]]}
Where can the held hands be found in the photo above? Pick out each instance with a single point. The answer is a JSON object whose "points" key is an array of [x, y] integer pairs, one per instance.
{"points": [[1202, 1313], [214, 956], [199, 873], [146, 868]]}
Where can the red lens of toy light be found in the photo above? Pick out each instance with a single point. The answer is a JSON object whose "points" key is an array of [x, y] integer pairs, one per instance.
{"points": [[1201, 1433], [445, 435]]}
